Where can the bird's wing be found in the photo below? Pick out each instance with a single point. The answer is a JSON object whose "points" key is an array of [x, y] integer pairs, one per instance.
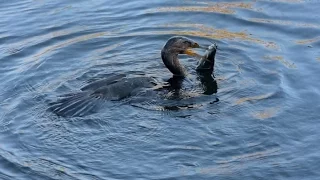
{"points": [[103, 82], [75, 104]]}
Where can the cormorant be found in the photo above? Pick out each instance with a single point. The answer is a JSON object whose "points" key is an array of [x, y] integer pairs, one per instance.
{"points": [[118, 87]]}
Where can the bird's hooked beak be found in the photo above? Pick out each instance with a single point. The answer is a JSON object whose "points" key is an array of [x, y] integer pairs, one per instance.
{"points": [[189, 51]]}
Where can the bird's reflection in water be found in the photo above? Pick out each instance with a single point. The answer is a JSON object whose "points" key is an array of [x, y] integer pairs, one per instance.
{"points": [[175, 92]]}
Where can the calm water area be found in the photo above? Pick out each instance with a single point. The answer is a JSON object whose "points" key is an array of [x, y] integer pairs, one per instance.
{"points": [[264, 126]]}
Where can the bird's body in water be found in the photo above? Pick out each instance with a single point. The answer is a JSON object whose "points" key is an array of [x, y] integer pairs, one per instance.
{"points": [[121, 86]]}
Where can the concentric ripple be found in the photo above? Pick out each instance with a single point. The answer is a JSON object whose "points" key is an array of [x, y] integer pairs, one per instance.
{"points": [[262, 123]]}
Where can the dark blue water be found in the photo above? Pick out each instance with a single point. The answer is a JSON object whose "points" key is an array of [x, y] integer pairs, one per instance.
{"points": [[265, 125]]}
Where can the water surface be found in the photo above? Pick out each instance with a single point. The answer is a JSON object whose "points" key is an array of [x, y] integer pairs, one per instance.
{"points": [[265, 124]]}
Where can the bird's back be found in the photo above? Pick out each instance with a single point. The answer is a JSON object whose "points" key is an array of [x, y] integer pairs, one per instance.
{"points": [[84, 102]]}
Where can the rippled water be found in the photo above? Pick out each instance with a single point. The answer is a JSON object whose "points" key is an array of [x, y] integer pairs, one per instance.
{"points": [[265, 125]]}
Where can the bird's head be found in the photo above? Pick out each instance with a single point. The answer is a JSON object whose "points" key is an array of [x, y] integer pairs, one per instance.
{"points": [[174, 46], [181, 45]]}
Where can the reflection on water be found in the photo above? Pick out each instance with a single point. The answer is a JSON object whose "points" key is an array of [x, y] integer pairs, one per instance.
{"points": [[284, 23], [232, 165], [212, 33], [67, 43], [256, 118], [178, 94], [308, 41], [266, 114], [289, 1], [226, 8], [253, 98], [280, 59]]}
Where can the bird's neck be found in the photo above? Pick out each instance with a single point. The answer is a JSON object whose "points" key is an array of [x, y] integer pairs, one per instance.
{"points": [[171, 61]]}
